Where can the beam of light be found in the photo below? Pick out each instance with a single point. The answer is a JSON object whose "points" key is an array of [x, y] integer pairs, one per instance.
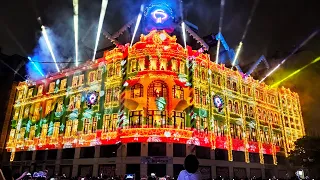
{"points": [[137, 24], [34, 64], [183, 26], [101, 18], [256, 2], [76, 28], [237, 54], [293, 52], [222, 3], [45, 35], [15, 72], [218, 51], [295, 72]]}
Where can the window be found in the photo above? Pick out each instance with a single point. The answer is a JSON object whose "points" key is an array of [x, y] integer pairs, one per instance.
{"points": [[71, 102], [56, 127], [245, 107], [32, 132], [94, 124], [99, 74], [177, 92], [157, 89], [81, 79], [213, 80], [219, 80], [179, 120], [63, 84], [133, 149], [230, 106], [52, 154], [236, 107], [75, 81], [203, 152], [116, 94], [87, 126], [137, 91], [236, 131], [234, 86], [40, 90], [26, 111], [156, 118], [238, 156], [133, 65], [157, 149], [36, 112], [20, 94], [67, 132], [108, 95], [203, 75], [87, 152], [221, 154], [118, 70], [92, 76], [108, 151], [174, 65], [197, 95], [204, 98], [107, 123], [16, 113], [135, 118], [59, 105], [68, 153], [182, 70], [30, 91], [163, 64], [110, 70], [179, 150], [40, 155]]}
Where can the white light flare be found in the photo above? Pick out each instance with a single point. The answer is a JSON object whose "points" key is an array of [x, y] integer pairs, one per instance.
{"points": [[101, 18], [183, 26], [76, 28], [34, 64], [137, 24], [237, 54], [45, 35], [218, 50], [274, 69]]}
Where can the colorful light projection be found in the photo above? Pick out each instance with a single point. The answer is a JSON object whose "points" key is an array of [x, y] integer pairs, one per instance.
{"points": [[159, 16]]}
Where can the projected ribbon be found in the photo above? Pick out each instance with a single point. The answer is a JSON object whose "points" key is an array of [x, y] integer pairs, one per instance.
{"points": [[191, 95], [122, 92]]}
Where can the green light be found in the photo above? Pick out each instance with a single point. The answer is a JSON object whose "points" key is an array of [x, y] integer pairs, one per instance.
{"points": [[295, 72]]}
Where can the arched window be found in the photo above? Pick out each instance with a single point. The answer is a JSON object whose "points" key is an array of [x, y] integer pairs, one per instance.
{"points": [[245, 110], [213, 79], [197, 95], [234, 86], [259, 115], [204, 98], [230, 106], [228, 84], [219, 81], [270, 117], [236, 107], [196, 73], [110, 70], [203, 75], [116, 94], [251, 111], [137, 91], [275, 119], [177, 92], [118, 70], [157, 89]]}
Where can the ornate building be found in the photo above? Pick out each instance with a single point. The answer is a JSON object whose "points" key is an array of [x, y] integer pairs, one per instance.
{"points": [[156, 92]]}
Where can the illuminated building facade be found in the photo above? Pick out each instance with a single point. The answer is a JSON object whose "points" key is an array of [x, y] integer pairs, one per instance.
{"points": [[156, 92]]}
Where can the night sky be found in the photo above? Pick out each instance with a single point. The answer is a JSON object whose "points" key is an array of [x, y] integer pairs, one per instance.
{"points": [[277, 27]]}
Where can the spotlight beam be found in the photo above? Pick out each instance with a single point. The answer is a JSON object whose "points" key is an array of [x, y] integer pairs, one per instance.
{"points": [[45, 35], [183, 26], [76, 28], [237, 54], [37, 68], [295, 72], [15, 72], [101, 19], [222, 3], [137, 24], [293, 52]]}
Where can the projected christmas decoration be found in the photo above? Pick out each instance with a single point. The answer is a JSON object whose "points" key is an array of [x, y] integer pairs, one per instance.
{"points": [[155, 91], [218, 102], [159, 16], [91, 98]]}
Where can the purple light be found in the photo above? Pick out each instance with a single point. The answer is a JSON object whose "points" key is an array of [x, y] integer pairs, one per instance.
{"points": [[159, 16]]}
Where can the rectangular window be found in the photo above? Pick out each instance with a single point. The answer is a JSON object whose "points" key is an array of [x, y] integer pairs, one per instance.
{"points": [[40, 90], [204, 98], [92, 76], [179, 150], [156, 118], [68, 128], [99, 74], [74, 131], [116, 94], [71, 102], [75, 81], [177, 92], [157, 149], [108, 151], [197, 96], [63, 84], [81, 79], [51, 87], [87, 126], [94, 124], [179, 120], [182, 66], [114, 121], [135, 118], [107, 123], [108, 95], [133, 149], [30, 91]]}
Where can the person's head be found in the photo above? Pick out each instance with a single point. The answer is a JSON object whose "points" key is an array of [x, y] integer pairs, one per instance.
{"points": [[191, 163]]}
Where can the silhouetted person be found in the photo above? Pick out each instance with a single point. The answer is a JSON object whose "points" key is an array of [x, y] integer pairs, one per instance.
{"points": [[191, 165]]}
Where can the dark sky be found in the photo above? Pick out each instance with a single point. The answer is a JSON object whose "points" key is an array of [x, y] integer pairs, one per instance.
{"points": [[277, 27]]}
